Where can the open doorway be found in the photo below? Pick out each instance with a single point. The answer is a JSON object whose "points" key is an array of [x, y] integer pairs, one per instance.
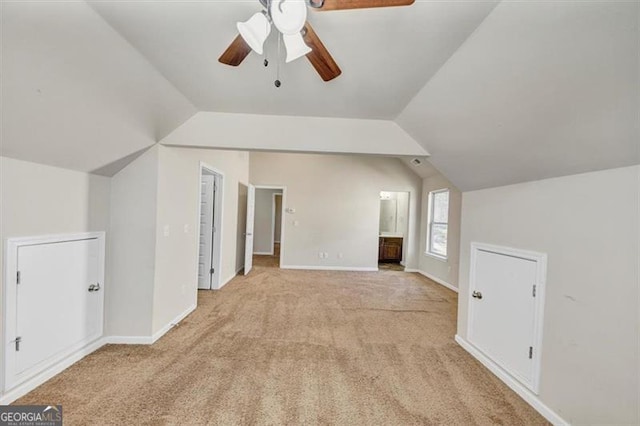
{"points": [[210, 228], [393, 231], [268, 226]]}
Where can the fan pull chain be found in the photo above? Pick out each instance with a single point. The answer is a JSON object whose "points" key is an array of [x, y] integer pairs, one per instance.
{"points": [[266, 51], [277, 82]]}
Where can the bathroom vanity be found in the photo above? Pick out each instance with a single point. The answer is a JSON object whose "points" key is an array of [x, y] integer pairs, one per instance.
{"points": [[390, 249]]}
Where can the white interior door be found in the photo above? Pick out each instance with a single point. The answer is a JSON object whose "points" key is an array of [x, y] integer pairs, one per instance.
{"points": [[207, 208], [248, 248], [56, 313], [503, 312]]}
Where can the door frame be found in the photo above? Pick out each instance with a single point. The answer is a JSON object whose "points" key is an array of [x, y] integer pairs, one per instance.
{"points": [[10, 294], [406, 240], [538, 321], [282, 219], [218, 221]]}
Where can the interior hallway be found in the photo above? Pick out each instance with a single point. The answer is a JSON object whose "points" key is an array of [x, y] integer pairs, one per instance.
{"points": [[268, 261], [296, 347]]}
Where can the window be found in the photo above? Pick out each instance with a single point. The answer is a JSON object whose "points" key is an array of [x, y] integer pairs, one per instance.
{"points": [[438, 223]]}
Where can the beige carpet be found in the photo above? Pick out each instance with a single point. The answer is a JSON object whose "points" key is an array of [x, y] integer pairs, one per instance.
{"points": [[390, 267], [267, 260], [296, 347]]}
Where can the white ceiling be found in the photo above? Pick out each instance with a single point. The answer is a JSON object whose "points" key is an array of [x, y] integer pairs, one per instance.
{"points": [[261, 132], [386, 55], [425, 169], [75, 94], [519, 92], [541, 89]]}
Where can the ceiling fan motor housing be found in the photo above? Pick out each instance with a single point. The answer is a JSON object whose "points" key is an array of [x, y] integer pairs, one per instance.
{"points": [[288, 16]]}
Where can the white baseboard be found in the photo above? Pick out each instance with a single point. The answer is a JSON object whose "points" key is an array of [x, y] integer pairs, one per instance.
{"points": [[56, 369], [26, 387], [129, 340], [516, 386], [149, 340], [330, 268], [433, 278], [226, 281], [263, 253], [158, 334]]}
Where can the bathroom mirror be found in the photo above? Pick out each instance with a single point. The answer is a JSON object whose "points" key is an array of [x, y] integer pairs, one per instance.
{"points": [[394, 209], [388, 216]]}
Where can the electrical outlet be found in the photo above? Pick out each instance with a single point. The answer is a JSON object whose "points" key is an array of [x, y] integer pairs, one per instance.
{"points": [[321, 255], [186, 228], [166, 230]]}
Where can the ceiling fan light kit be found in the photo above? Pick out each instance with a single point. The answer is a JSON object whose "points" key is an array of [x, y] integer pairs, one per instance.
{"points": [[290, 19], [296, 48], [255, 31]]}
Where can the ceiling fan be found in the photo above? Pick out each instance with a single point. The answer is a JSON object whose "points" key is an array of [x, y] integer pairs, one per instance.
{"points": [[290, 19]]}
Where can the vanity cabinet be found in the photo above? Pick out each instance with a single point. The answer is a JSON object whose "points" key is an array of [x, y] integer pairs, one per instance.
{"points": [[390, 249]]}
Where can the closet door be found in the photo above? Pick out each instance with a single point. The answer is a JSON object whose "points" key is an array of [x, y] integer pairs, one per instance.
{"points": [[58, 304], [505, 311], [248, 248]]}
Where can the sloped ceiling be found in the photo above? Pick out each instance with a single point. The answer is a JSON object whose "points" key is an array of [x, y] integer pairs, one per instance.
{"points": [[541, 89], [496, 94], [386, 54], [75, 94], [425, 169], [261, 132]]}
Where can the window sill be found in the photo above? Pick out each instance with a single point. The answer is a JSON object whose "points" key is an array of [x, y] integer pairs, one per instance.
{"points": [[436, 256]]}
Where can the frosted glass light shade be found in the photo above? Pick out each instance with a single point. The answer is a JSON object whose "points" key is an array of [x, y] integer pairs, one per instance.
{"points": [[295, 46], [255, 31]]}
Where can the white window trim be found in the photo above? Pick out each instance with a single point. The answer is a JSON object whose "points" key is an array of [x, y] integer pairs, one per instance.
{"points": [[430, 223], [436, 256]]}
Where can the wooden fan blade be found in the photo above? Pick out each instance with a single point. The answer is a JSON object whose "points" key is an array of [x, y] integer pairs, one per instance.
{"points": [[360, 4], [319, 56], [236, 52]]}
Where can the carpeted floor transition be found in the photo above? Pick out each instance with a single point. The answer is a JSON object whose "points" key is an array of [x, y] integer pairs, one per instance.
{"points": [[296, 347]]}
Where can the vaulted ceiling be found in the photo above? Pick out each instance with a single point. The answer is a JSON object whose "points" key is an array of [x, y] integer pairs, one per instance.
{"points": [[495, 93], [386, 55], [541, 89]]}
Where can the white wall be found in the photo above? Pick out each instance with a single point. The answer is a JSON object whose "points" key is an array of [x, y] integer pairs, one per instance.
{"points": [[588, 224], [291, 133], [132, 261], [337, 203], [178, 206], [263, 228], [43, 200], [439, 269], [154, 250], [75, 93]]}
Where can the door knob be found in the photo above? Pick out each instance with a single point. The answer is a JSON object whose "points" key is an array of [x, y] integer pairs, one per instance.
{"points": [[477, 295], [94, 287]]}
